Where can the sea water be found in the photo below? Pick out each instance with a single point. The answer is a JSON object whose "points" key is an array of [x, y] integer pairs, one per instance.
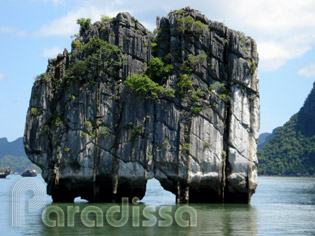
{"points": [[280, 206]]}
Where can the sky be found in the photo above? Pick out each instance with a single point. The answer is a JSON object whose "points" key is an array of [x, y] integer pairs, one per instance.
{"points": [[32, 31]]}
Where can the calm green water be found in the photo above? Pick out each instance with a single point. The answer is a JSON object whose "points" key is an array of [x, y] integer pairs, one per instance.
{"points": [[281, 206]]}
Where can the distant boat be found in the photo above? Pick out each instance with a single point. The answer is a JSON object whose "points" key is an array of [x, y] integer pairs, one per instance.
{"points": [[5, 172], [29, 173]]}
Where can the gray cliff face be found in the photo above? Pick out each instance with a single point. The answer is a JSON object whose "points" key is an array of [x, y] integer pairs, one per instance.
{"points": [[96, 138]]}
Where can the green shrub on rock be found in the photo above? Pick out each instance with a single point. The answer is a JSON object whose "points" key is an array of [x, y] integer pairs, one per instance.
{"points": [[184, 84], [189, 24], [158, 71], [184, 23], [84, 24], [76, 44], [143, 85], [43, 77], [34, 111], [97, 56]]}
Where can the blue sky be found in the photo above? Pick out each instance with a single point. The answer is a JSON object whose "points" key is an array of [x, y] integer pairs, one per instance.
{"points": [[31, 31]]}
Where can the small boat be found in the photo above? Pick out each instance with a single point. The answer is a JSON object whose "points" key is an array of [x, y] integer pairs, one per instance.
{"points": [[3, 175], [29, 173], [5, 172]]}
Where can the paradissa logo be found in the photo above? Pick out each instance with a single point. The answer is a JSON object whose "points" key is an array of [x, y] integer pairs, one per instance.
{"points": [[92, 215], [118, 215]]}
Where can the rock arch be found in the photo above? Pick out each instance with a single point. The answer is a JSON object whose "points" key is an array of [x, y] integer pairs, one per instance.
{"points": [[196, 133]]}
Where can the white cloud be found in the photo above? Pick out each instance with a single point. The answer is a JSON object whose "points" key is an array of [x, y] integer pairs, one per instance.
{"points": [[283, 29], [308, 71], [51, 52], [66, 25], [273, 17], [2, 76], [53, 1], [10, 29], [274, 54], [7, 29]]}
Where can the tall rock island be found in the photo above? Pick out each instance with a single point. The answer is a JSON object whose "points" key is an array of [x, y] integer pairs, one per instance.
{"points": [[125, 105]]}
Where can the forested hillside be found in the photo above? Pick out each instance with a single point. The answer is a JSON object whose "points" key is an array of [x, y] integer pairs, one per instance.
{"points": [[291, 151]]}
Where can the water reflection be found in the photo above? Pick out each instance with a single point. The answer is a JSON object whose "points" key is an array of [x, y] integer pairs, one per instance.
{"points": [[281, 206], [212, 220], [228, 219]]}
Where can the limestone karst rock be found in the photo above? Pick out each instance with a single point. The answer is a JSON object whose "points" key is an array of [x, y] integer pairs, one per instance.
{"points": [[126, 105]]}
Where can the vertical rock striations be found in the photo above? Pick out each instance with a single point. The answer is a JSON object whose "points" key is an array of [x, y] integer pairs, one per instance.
{"points": [[127, 105]]}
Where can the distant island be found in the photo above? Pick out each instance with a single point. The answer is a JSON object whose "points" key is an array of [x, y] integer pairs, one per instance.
{"points": [[265, 137], [14, 148], [291, 148], [12, 155]]}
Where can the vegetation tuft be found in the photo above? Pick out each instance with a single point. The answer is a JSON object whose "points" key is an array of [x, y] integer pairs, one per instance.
{"points": [[84, 25]]}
